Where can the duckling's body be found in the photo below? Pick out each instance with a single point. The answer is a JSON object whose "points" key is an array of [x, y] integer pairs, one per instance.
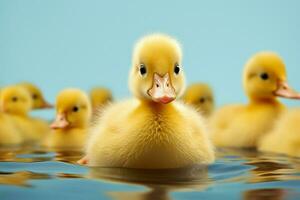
{"points": [[284, 138], [244, 125], [69, 130], [151, 131], [8, 133], [146, 135], [200, 96], [16, 103]]}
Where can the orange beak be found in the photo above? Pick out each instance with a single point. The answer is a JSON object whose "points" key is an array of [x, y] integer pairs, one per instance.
{"points": [[285, 91], [60, 122], [162, 90], [46, 105]]}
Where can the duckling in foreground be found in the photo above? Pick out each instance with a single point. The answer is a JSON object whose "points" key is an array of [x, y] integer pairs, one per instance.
{"points": [[100, 97], [244, 125], [73, 112], [200, 96], [16, 102], [285, 136], [151, 130]]}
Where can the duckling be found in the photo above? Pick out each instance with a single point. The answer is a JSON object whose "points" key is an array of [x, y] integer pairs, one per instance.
{"points": [[200, 95], [151, 130], [70, 127], [243, 126], [16, 102], [100, 97], [38, 100], [284, 138], [8, 133]]}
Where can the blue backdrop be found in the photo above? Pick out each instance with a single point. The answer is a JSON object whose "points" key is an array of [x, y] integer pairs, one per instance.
{"points": [[69, 43]]}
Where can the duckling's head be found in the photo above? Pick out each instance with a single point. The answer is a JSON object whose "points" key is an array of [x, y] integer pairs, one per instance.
{"points": [[157, 72], [15, 100], [73, 109], [200, 96], [265, 78], [100, 96], [38, 99]]}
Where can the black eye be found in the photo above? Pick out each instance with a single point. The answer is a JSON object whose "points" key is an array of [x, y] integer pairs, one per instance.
{"points": [[202, 100], [34, 96], [75, 109], [176, 69], [264, 76], [143, 70], [14, 99]]}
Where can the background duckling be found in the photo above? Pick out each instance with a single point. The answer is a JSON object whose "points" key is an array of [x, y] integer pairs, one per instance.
{"points": [[243, 125], [73, 113], [200, 96], [285, 137], [38, 102], [151, 130], [16, 102], [9, 135], [100, 97], [38, 99]]}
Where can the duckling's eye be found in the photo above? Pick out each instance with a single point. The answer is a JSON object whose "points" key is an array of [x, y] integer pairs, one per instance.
{"points": [[14, 99], [264, 76], [202, 100], [75, 109], [143, 70], [35, 96], [176, 69]]}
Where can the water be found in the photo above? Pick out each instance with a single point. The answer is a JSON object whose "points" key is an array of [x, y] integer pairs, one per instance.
{"points": [[38, 174]]}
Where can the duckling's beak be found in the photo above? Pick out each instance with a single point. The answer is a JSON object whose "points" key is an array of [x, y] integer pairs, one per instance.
{"points": [[162, 90], [46, 105], [285, 91], [60, 121]]}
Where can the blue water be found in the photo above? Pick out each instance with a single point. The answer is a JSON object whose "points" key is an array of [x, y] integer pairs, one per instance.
{"points": [[38, 174]]}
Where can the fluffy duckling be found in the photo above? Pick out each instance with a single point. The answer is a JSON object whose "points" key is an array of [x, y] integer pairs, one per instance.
{"points": [[243, 125], [284, 138], [16, 102], [8, 133], [38, 100], [73, 112], [200, 96], [151, 130], [100, 97]]}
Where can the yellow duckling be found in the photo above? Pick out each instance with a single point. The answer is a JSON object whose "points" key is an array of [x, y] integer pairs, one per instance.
{"points": [[16, 102], [151, 130], [100, 97], [243, 125], [200, 96], [38, 100], [73, 112], [285, 137], [8, 133]]}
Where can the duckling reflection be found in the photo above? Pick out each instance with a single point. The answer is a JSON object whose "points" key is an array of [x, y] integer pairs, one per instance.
{"points": [[265, 194], [21, 178], [266, 167], [160, 183]]}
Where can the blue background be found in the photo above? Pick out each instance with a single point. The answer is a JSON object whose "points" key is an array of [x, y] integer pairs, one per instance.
{"points": [[65, 43]]}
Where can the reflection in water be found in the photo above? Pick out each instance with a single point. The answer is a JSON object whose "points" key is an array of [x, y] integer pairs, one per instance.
{"points": [[240, 170], [159, 182], [265, 194]]}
